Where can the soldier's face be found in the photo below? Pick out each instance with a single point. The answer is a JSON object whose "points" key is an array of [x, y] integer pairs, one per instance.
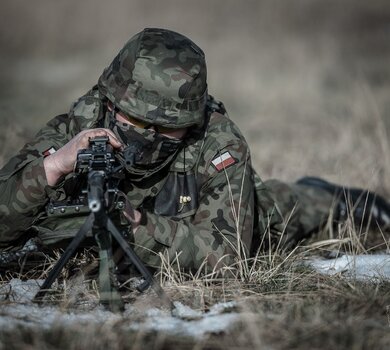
{"points": [[168, 132]]}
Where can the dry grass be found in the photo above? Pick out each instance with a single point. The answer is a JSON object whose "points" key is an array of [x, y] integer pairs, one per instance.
{"points": [[284, 305]]}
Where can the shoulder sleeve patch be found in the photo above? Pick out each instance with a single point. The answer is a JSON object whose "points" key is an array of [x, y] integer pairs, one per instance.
{"points": [[49, 151], [223, 161]]}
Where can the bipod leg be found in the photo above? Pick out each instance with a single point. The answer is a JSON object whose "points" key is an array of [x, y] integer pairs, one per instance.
{"points": [[109, 294], [140, 266], [73, 245]]}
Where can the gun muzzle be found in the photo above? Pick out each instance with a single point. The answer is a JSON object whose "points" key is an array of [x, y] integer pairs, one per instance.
{"points": [[95, 190]]}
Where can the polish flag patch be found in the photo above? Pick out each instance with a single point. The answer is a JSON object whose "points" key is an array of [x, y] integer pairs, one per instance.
{"points": [[49, 151], [223, 161]]}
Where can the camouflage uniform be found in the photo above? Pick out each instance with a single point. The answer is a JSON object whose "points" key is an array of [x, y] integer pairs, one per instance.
{"points": [[206, 207]]}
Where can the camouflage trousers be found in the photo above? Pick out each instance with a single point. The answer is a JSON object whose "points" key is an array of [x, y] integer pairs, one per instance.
{"points": [[298, 212]]}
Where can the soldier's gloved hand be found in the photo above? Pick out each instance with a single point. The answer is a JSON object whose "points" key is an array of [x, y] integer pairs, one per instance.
{"points": [[63, 161]]}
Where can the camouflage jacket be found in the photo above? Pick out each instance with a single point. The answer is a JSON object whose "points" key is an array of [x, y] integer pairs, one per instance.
{"points": [[211, 228]]}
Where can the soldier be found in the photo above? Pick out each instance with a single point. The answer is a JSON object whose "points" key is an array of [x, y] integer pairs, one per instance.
{"points": [[194, 194]]}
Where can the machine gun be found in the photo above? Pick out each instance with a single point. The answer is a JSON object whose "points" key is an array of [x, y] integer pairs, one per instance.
{"points": [[101, 169]]}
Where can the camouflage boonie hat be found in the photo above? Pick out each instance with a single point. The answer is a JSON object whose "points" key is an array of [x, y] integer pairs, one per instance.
{"points": [[159, 77]]}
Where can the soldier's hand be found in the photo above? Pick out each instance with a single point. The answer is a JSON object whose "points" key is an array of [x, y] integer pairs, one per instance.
{"points": [[63, 161]]}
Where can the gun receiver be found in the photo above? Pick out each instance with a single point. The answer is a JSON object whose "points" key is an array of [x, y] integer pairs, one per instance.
{"points": [[98, 162]]}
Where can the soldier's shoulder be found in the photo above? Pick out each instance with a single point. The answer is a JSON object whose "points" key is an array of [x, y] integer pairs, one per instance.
{"points": [[220, 138], [224, 147], [222, 132]]}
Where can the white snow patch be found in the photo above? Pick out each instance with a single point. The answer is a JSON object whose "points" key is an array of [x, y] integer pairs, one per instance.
{"points": [[187, 322], [20, 291], [35, 317], [17, 309], [360, 267]]}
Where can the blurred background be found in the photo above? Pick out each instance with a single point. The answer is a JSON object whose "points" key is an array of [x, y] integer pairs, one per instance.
{"points": [[307, 81]]}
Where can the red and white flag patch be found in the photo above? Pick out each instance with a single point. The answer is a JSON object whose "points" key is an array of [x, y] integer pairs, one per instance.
{"points": [[49, 151], [223, 161]]}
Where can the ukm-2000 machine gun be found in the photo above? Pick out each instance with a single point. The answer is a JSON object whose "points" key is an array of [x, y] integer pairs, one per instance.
{"points": [[99, 166]]}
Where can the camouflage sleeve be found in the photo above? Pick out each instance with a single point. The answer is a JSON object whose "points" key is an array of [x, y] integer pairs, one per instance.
{"points": [[221, 229], [23, 185]]}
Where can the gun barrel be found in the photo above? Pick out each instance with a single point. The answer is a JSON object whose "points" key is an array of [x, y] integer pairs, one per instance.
{"points": [[95, 190]]}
